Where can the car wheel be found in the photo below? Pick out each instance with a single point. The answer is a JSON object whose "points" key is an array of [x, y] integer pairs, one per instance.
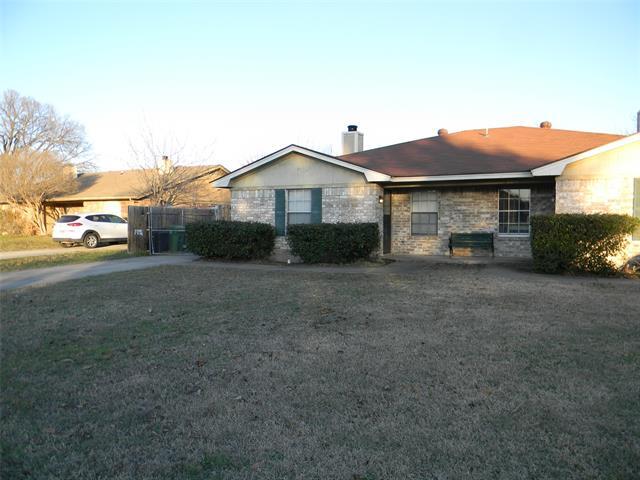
{"points": [[91, 240]]}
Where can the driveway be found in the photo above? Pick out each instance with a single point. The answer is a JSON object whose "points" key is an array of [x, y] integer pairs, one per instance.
{"points": [[56, 251], [43, 276]]}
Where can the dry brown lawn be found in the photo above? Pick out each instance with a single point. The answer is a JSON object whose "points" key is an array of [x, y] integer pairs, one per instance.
{"points": [[200, 372]]}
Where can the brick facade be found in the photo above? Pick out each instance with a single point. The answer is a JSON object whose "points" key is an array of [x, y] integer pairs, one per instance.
{"points": [[613, 194], [253, 205], [345, 204], [462, 210]]}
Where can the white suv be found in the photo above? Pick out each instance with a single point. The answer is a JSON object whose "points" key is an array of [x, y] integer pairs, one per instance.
{"points": [[90, 229]]}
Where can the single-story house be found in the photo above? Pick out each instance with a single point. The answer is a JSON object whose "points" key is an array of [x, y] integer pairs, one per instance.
{"points": [[113, 192], [422, 191]]}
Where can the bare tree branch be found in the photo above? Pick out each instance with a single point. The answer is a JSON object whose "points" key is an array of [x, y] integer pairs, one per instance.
{"points": [[166, 178], [28, 124], [28, 179], [39, 154]]}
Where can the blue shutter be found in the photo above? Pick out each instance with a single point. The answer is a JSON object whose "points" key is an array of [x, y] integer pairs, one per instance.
{"points": [[280, 211], [316, 205], [636, 205]]}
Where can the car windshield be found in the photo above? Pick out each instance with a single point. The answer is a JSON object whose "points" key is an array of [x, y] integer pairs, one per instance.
{"points": [[68, 218]]}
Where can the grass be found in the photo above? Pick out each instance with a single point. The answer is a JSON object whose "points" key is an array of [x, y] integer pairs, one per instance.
{"points": [[10, 243], [42, 261], [457, 371]]}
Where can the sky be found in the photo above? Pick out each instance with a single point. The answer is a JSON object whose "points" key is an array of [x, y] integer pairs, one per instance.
{"points": [[233, 81]]}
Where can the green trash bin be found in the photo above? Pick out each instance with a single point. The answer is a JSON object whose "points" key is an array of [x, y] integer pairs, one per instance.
{"points": [[176, 239]]}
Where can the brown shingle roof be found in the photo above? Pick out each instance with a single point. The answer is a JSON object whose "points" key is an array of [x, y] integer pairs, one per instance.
{"points": [[511, 149], [124, 184]]}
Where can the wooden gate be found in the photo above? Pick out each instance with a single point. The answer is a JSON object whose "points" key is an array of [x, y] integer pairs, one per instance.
{"points": [[159, 230]]}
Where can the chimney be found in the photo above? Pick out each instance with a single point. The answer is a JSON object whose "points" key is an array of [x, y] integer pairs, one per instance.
{"points": [[352, 140], [71, 170], [165, 164], [442, 132]]}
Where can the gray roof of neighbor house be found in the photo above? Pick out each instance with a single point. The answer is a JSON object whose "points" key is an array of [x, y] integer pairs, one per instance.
{"points": [[124, 184], [510, 149]]}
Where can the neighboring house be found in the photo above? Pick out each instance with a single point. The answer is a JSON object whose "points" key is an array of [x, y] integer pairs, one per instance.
{"points": [[113, 192], [420, 192]]}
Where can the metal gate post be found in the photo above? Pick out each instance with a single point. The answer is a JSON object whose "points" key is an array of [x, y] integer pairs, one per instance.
{"points": [[150, 224]]}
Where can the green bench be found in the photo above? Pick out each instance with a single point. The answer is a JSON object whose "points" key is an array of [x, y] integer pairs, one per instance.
{"points": [[471, 240]]}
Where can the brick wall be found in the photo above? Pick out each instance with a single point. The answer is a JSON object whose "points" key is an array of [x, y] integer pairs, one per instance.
{"points": [[346, 204], [462, 210], [253, 205]]}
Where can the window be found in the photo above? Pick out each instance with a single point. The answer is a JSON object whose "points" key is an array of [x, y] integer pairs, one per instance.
{"points": [[68, 218], [424, 213], [115, 219], [513, 211], [298, 206]]}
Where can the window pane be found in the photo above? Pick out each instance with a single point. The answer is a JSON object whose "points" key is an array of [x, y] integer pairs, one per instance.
{"points": [[513, 211], [297, 218], [424, 223], [424, 202], [299, 200], [513, 228]]}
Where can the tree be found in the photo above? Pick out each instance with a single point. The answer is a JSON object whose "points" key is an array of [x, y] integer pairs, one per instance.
{"points": [[29, 178], [165, 178], [39, 153], [27, 124]]}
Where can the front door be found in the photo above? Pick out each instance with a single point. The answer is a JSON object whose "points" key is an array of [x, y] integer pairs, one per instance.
{"points": [[386, 223]]}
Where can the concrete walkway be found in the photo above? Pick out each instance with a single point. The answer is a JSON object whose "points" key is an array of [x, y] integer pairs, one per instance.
{"points": [[58, 251], [44, 276]]}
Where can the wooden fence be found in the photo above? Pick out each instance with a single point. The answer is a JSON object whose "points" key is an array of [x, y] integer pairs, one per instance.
{"points": [[148, 225]]}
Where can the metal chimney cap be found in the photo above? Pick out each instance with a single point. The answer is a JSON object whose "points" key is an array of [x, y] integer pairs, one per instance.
{"points": [[442, 132], [352, 128], [545, 124]]}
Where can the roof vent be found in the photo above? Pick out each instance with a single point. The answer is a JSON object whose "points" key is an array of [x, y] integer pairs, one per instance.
{"points": [[442, 132], [545, 124]]}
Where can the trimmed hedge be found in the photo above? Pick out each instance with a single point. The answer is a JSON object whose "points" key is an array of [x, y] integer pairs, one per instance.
{"points": [[230, 240], [579, 242], [333, 242]]}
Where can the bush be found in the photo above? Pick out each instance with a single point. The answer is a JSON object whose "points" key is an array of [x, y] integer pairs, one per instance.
{"points": [[333, 242], [14, 223], [579, 242], [230, 240]]}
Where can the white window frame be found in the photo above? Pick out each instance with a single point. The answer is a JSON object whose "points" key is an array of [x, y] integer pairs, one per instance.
{"points": [[511, 234], [287, 211], [436, 211]]}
